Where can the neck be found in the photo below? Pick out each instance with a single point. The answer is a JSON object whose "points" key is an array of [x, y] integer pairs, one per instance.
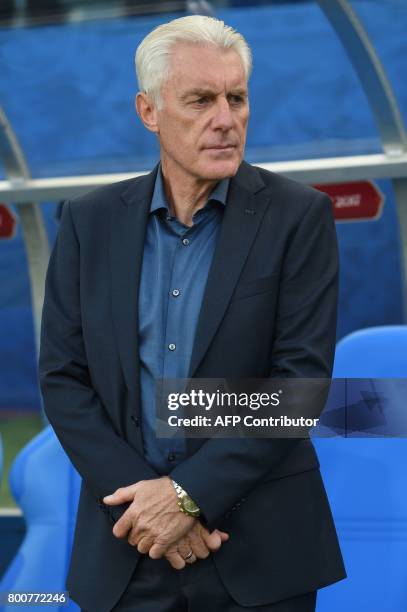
{"points": [[185, 194]]}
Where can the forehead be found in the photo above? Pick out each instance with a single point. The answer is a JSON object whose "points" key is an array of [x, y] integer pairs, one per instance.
{"points": [[206, 66]]}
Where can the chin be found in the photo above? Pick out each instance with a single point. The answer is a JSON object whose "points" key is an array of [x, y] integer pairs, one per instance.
{"points": [[221, 169]]}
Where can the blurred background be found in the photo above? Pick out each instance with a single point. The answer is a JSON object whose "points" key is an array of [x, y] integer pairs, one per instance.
{"points": [[328, 104]]}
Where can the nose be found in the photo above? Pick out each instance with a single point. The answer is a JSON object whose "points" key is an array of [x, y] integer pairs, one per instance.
{"points": [[223, 119]]}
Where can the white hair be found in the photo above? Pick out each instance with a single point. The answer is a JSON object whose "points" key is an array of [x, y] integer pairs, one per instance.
{"points": [[154, 52]]}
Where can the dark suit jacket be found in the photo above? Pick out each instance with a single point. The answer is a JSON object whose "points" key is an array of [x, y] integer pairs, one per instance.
{"points": [[269, 309]]}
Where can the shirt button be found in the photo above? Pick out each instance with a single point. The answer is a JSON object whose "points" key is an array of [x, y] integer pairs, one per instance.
{"points": [[175, 292], [171, 347], [185, 242], [135, 420], [171, 457]]}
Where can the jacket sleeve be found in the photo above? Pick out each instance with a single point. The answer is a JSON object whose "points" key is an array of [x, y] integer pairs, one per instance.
{"points": [[223, 471], [81, 422]]}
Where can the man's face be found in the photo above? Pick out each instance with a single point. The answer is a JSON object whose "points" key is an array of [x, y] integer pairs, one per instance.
{"points": [[203, 119]]}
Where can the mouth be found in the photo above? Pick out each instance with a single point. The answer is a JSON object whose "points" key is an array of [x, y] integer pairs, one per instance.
{"points": [[227, 147]]}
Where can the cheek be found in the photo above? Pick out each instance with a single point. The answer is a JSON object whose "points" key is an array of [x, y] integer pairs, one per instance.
{"points": [[243, 122], [180, 142]]}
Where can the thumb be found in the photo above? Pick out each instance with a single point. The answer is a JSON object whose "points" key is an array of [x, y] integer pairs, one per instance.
{"points": [[223, 535], [213, 540], [120, 496]]}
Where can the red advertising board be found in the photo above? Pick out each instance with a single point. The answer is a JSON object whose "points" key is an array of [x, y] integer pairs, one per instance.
{"points": [[356, 201], [8, 223]]}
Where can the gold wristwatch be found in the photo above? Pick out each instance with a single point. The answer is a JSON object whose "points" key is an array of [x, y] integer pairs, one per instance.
{"points": [[185, 503]]}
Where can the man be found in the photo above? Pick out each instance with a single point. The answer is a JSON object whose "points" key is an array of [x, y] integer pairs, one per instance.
{"points": [[207, 267]]}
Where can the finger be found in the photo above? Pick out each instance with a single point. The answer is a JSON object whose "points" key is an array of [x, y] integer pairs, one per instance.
{"points": [[158, 550], [185, 554], [212, 540], [223, 535], [120, 496], [197, 545], [187, 545], [135, 535], [175, 560], [122, 526], [191, 559], [144, 545]]}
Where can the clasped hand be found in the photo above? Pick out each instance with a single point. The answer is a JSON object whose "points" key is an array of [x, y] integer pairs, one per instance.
{"points": [[154, 524]]}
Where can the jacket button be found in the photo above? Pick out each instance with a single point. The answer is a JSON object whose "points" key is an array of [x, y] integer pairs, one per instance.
{"points": [[135, 420]]}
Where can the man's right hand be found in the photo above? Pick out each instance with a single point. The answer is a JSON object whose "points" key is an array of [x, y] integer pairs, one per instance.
{"points": [[198, 540]]}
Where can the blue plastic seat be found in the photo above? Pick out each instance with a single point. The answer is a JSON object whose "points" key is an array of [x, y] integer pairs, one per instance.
{"points": [[46, 487], [366, 482]]}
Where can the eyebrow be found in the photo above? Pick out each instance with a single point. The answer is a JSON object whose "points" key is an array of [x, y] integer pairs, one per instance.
{"points": [[198, 92]]}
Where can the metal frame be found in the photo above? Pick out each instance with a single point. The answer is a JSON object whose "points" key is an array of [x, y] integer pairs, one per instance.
{"points": [[370, 71], [381, 99], [32, 223], [325, 170], [21, 189]]}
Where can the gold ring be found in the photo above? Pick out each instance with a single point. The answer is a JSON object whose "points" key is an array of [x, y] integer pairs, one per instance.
{"points": [[189, 555]]}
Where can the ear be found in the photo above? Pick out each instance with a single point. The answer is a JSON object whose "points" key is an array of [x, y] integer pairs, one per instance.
{"points": [[147, 111]]}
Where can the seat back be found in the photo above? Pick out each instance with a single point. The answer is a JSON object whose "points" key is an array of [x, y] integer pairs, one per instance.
{"points": [[46, 487], [366, 483]]}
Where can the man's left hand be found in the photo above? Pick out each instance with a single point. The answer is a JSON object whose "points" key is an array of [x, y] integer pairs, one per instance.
{"points": [[153, 518]]}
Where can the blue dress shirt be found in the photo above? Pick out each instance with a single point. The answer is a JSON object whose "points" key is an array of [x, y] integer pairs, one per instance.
{"points": [[176, 262]]}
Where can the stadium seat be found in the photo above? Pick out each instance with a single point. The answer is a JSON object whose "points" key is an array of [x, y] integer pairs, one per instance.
{"points": [[366, 483], [46, 487]]}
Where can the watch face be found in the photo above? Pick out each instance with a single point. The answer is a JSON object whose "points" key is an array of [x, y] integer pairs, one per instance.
{"points": [[189, 505]]}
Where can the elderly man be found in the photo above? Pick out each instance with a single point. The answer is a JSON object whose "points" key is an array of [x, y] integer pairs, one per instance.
{"points": [[206, 267]]}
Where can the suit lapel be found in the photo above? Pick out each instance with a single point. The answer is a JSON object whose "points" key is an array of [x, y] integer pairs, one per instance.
{"points": [[242, 217], [128, 223]]}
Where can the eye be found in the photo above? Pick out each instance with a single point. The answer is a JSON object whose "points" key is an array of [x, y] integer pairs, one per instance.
{"points": [[236, 99], [202, 100]]}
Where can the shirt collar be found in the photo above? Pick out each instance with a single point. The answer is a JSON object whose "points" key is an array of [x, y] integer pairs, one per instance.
{"points": [[159, 200]]}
